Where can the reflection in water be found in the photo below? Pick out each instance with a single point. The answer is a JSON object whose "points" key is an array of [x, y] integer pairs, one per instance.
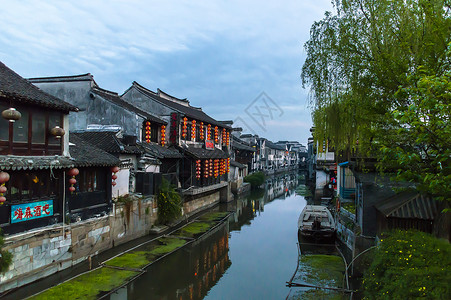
{"points": [[186, 274], [263, 258]]}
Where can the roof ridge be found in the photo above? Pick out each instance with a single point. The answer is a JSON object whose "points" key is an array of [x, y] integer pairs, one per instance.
{"points": [[105, 90], [170, 96], [61, 77]]}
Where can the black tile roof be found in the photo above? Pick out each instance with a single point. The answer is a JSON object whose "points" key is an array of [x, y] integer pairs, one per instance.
{"points": [[241, 145], [116, 99], [107, 141], [271, 145], [12, 85], [201, 153], [88, 155], [13, 162], [237, 164], [160, 152], [409, 204], [188, 110]]}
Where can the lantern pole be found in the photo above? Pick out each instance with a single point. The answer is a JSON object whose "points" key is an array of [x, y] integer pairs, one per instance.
{"points": [[64, 202]]}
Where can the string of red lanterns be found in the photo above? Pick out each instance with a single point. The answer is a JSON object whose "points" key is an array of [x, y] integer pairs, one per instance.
{"points": [[148, 132], [198, 167], [216, 168], [223, 136], [163, 135], [193, 130], [216, 135], [211, 167], [114, 170], [73, 172], [209, 132], [228, 139], [206, 168], [201, 131], [184, 127], [4, 177], [228, 166]]}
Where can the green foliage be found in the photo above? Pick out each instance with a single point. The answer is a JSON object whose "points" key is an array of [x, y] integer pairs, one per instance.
{"points": [[409, 265], [379, 74], [147, 254], [88, 285], [5, 256], [255, 179], [169, 203], [193, 229], [126, 199], [417, 144]]}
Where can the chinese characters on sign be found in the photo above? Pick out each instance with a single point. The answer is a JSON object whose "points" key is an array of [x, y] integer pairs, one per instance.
{"points": [[31, 211]]}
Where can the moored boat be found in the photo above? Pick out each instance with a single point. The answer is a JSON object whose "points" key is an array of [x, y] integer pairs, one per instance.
{"points": [[316, 222]]}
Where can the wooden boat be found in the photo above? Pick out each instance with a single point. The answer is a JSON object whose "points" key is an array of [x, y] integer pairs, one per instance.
{"points": [[316, 222]]}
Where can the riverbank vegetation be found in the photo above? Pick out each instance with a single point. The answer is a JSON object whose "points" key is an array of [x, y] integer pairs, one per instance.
{"points": [[87, 286], [255, 179], [120, 269], [409, 265], [323, 271], [5, 256], [146, 254], [379, 72], [169, 203]]}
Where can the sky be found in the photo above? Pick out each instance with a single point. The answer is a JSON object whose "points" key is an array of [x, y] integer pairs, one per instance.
{"points": [[238, 60]]}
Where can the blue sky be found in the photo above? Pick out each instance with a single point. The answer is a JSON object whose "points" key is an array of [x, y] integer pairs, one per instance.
{"points": [[221, 55]]}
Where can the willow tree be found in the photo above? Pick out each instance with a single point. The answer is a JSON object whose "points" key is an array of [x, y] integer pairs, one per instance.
{"points": [[364, 63]]}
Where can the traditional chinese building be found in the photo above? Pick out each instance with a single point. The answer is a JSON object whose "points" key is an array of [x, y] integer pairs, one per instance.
{"points": [[34, 151], [134, 135], [203, 141]]}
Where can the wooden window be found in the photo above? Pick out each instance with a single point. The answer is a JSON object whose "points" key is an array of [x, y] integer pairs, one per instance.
{"points": [[31, 186], [154, 133], [4, 126], [38, 128], [90, 181], [30, 135], [20, 129]]}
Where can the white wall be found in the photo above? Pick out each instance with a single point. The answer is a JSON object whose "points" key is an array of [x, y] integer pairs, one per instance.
{"points": [[321, 179], [122, 183]]}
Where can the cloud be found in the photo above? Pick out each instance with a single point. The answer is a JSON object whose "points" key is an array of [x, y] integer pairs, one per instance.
{"points": [[219, 54]]}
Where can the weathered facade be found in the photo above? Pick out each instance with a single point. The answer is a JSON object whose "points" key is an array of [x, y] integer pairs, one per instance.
{"points": [[203, 141]]}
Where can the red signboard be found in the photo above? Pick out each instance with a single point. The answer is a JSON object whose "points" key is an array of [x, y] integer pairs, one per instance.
{"points": [[209, 144]]}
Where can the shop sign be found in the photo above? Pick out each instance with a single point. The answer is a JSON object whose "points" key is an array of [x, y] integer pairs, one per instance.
{"points": [[31, 211]]}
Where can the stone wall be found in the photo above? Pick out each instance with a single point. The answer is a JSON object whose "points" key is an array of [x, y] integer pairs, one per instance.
{"points": [[42, 252], [200, 202]]}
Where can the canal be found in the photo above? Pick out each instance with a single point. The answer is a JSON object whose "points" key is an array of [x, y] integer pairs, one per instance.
{"points": [[250, 256]]}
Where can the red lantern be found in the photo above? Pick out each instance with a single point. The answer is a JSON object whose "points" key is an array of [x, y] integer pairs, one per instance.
{"points": [[72, 189], [2, 199], [3, 189], [113, 183], [115, 169], [4, 177], [114, 176], [73, 172], [72, 181]]}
